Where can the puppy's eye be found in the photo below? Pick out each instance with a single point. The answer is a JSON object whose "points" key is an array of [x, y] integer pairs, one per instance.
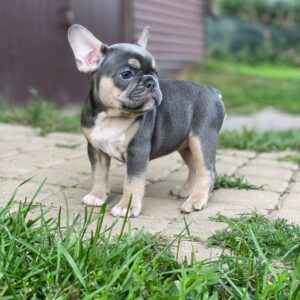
{"points": [[126, 75]]}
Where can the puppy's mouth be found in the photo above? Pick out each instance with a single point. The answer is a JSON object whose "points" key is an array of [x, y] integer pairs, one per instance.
{"points": [[144, 97], [143, 103]]}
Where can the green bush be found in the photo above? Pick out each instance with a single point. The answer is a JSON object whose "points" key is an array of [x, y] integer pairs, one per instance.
{"points": [[238, 40]]}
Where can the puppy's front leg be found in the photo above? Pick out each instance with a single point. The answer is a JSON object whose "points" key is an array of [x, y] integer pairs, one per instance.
{"points": [[134, 183], [100, 163], [134, 186]]}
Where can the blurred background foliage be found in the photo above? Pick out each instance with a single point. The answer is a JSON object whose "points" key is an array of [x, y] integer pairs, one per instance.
{"points": [[256, 31]]}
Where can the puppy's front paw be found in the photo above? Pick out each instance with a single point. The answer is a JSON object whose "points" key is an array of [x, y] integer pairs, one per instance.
{"points": [[120, 210], [191, 205], [92, 200]]}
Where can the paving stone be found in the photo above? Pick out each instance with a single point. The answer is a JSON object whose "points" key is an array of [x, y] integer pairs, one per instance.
{"points": [[11, 132], [8, 186], [72, 196], [231, 160], [295, 188], [297, 176], [152, 208], [66, 137], [10, 169], [291, 215], [149, 224], [118, 171], [161, 189], [237, 153], [160, 168], [44, 158], [199, 231], [269, 184], [7, 149], [262, 162], [26, 144], [60, 177], [225, 169], [116, 184], [188, 251], [178, 177], [270, 172], [246, 199], [229, 210], [291, 201], [161, 208], [74, 166], [275, 155]]}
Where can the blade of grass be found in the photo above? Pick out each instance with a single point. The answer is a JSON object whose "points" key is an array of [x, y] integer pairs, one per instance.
{"points": [[72, 264]]}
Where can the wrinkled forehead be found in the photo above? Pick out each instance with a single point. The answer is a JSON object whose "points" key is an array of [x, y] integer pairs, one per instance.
{"points": [[129, 55]]}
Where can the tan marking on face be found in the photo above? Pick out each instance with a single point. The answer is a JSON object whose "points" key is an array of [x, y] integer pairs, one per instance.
{"points": [[112, 135], [134, 63], [199, 196], [153, 64], [109, 94], [134, 186]]}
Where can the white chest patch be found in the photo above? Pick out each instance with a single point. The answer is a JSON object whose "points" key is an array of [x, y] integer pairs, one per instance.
{"points": [[110, 135]]}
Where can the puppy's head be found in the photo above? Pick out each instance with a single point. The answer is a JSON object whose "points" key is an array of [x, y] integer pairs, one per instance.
{"points": [[124, 75]]}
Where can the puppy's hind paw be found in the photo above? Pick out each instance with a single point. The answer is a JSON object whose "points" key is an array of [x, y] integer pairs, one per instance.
{"points": [[190, 206], [180, 192], [92, 200]]}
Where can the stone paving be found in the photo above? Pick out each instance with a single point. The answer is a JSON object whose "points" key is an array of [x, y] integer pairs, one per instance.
{"points": [[268, 118], [63, 160]]}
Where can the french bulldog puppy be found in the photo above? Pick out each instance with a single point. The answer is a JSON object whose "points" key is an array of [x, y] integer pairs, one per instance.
{"points": [[133, 117]]}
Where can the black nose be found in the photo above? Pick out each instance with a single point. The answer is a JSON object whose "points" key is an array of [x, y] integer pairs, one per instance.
{"points": [[149, 83]]}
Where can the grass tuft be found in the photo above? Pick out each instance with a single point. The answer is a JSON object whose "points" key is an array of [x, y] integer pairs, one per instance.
{"points": [[234, 182], [279, 239], [293, 158], [261, 141], [40, 114], [67, 146]]}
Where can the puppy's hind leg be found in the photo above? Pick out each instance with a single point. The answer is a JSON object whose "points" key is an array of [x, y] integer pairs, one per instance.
{"points": [[203, 179], [183, 191]]}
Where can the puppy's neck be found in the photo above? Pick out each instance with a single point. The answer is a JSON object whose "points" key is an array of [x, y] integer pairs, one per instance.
{"points": [[112, 112]]}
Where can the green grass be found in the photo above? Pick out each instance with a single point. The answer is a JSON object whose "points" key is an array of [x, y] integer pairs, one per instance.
{"points": [[43, 259], [279, 240], [234, 182], [67, 146], [248, 88], [261, 141], [294, 158], [40, 114]]}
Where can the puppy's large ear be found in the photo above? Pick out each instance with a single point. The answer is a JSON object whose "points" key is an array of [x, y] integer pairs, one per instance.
{"points": [[144, 37], [88, 50]]}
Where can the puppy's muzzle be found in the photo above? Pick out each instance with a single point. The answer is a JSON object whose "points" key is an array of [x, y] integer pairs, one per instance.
{"points": [[152, 85], [149, 82]]}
